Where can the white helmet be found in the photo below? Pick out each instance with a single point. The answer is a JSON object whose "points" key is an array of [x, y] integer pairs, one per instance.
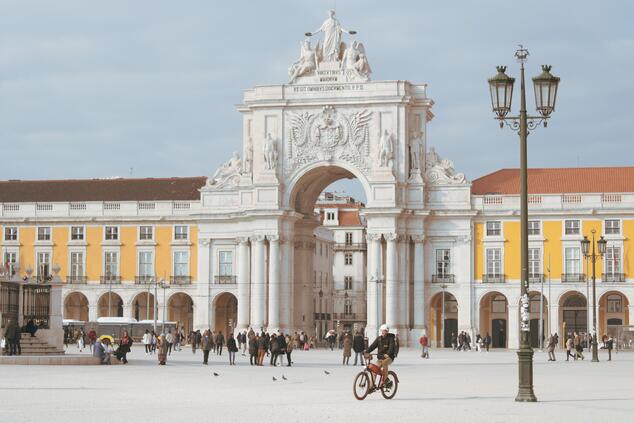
{"points": [[384, 328]]}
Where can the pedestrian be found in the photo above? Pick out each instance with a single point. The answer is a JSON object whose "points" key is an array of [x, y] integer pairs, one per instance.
{"points": [[289, 349], [245, 339], [609, 344], [153, 342], [358, 347], [205, 344], [253, 349], [478, 342], [261, 348], [487, 341], [219, 342], [232, 349], [125, 344], [192, 341], [424, 343], [275, 349], [214, 342], [92, 337], [347, 348], [569, 347], [80, 340], [281, 341], [99, 352], [146, 340], [551, 348], [107, 351], [170, 341], [454, 341], [162, 349], [11, 332], [578, 344]]}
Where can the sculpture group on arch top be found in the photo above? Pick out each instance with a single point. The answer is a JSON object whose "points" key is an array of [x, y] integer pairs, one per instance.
{"points": [[331, 133]]}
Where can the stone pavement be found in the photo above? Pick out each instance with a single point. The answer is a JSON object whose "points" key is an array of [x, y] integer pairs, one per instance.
{"points": [[450, 387]]}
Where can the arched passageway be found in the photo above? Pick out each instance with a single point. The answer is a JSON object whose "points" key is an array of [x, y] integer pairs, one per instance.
{"points": [[573, 313], [110, 304], [613, 312], [438, 325], [494, 318], [76, 307], [180, 309], [143, 306], [225, 309], [537, 304]]}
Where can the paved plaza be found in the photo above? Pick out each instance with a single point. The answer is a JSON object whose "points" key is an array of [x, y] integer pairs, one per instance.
{"points": [[450, 387]]}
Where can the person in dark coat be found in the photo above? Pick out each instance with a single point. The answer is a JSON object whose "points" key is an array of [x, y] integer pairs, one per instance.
{"points": [[232, 348], [253, 349], [220, 341], [205, 344], [358, 346], [262, 346], [12, 337], [125, 345], [30, 327], [281, 342], [275, 349]]}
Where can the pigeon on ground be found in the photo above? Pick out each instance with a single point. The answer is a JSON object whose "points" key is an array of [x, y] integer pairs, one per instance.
{"points": [[284, 377], [216, 374], [274, 379], [327, 372]]}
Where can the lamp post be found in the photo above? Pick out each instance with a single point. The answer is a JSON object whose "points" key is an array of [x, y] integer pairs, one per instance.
{"points": [[585, 247], [442, 317], [163, 285], [501, 89], [320, 320]]}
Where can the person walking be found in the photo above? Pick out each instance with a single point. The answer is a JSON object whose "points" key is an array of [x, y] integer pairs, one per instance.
{"points": [[146, 340], [153, 342], [170, 341], [232, 349], [569, 347], [347, 348], [262, 344], [289, 349], [220, 342], [275, 349], [125, 344], [609, 344], [205, 344], [11, 332], [552, 343], [281, 342], [424, 343], [80, 340], [161, 344], [253, 349], [358, 346], [578, 339], [487, 341]]}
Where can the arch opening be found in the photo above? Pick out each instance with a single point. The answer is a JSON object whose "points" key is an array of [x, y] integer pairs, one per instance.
{"points": [[143, 306], [110, 304], [442, 330], [494, 318], [76, 307], [180, 309], [225, 312], [573, 313]]}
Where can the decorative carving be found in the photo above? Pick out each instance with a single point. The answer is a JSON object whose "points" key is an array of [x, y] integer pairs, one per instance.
{"points": [[355, 62], [402, 238], [307, 62], [386, 150], [273, 238], [418, 239], [270, 153], [390, 236], [416, 151], [441, 171], [242, 239], [205, 242], [332, 29], [373, 237], [228, 173], [258, 238], [305, 244], [328, 135]]}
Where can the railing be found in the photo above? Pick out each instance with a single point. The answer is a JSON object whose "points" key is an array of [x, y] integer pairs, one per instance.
{"points": [[573, 277], [535, 278], [321, 316], [43, 278], [493, 278], [9, 298], [110, 280], [143, 279], [36, 304], [348, 316], [74, 279], [613, 277], [180, 280], [446, 278], [347, 246], [225, 279]]}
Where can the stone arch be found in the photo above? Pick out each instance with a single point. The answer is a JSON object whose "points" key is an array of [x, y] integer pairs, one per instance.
{"points": [[436, 326], [573, 312], [225, 312], [613, 310], [110, 304], [180, 309], [534, 309], [494, 316], [142, 306], [76, 306]]}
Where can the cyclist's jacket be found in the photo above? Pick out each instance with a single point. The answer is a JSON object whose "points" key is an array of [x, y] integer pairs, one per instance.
{"points": [[385, 345]]}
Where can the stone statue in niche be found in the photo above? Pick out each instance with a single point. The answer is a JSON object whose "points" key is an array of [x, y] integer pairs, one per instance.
{"points": [[270, 153], [248, 156], [356, 63], [307, 62], [386, 149], [332, 29], [416, 151], [230, 168]]}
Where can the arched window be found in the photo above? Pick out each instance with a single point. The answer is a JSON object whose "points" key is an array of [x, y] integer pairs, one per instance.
{"points": [[575, 301], [615, 303], [498, 304]]}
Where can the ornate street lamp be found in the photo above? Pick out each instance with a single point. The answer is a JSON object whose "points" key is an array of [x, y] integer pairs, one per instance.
{"points": [[593, 256], [501, 89]]}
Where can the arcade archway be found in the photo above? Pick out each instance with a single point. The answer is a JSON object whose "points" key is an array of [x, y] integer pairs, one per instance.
{"points": [[613, 312], [225, 309], [76, 307], [573, 313], [494, 318], [143, 306], [180, 309], [436, 325], [110, 304]]}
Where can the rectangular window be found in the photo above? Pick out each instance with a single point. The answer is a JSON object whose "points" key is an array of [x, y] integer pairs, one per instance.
{"points": [[11, 233], [145, 264], [111, 264], [572, 257], [348, 238], [534, 227], [614, 304], [44, 233], [347, 282], [43, 265], [347, 307], [348, 259], [613, 227], [498, 304], [180, 232], [181, 263], [443, 262], [145, 233], [494, 262], [573, 227], [76, 264], [76, 233], [494, 228], [112, 233], [534, 262], [612, 260], [10, 262], [225, 266]]}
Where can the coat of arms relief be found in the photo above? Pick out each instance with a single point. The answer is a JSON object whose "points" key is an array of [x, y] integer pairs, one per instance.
{"points": [[326, 136]]}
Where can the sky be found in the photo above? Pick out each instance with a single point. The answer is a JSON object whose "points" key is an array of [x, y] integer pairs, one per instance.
{"points": [[149, 88]]}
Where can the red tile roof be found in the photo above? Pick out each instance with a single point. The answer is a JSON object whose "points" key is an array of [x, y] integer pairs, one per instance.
{"points": [[119, 189], [558, 181], [349, 218]]}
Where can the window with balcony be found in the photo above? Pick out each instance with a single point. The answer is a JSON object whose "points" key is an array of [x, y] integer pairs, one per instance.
{"points": [[111, 264], [494, 228], [613, 265], [494, 263], [146, 267], [111, 233], [44, 233], [76, 233], [146, 233], [613, 227], [76, 267], [10, 262], [534, 263], [347, 307], [225, 263], [572, 227], [43, 266], [534, 227], [348, 238], [11, 233], [572, 265], [347, 258], [347, 282], [180, 232], [181, 263], [443, 262]]}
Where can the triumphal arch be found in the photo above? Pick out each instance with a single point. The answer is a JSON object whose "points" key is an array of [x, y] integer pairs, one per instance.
{"points": [[330, 121]]}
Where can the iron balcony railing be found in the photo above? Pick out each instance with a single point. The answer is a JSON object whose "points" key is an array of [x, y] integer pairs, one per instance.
{"points": [[74, 279], [493, 278], [349, 316], [613, 277], [180, 280], [350, 246], [110, 280], [573, 277], [535, 278], [445, 278], [143, 279]]}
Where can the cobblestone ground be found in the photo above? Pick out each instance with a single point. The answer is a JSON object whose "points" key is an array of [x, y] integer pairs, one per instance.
{"points": [[449, 387]]}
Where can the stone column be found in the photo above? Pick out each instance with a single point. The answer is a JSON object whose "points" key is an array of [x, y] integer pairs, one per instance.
{"points": [[285, 284], [513, 327], [202, 299], [553, 322], [391, 281], [93, 311], [419, 285], [258, 285], [373, 296], [403, 288], [244, 280], [274, 282]]}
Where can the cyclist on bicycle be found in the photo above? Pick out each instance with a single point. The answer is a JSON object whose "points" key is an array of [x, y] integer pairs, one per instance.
{"points": [[385, 351]]}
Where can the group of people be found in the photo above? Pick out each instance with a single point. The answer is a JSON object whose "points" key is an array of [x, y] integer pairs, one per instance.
{"points": [[10, 339], [275, 345]]}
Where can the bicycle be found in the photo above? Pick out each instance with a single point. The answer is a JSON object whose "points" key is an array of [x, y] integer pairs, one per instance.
{"points": [[365, 383]]}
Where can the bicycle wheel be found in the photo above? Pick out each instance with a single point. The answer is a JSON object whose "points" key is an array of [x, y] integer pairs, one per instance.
{"points": [[388, 390], [361, 387]]}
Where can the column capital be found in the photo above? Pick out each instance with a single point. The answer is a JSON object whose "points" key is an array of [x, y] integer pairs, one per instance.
{"points": [[390, 236], [258, 238], [373, 237], [273, 238], [418, 239], [401, 238], [205, 242], [242, 239]]}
